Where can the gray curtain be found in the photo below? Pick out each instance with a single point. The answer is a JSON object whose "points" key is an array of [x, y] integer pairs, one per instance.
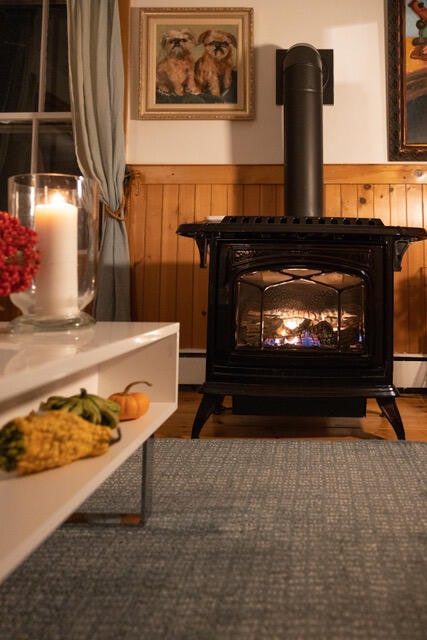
{"points": [[97, 106]]}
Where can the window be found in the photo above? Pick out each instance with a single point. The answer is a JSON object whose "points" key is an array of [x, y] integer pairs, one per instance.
{"points": [[35, 119]]}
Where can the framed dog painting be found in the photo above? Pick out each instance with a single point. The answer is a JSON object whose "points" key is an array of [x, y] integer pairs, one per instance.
{"points": [[196, 64]]}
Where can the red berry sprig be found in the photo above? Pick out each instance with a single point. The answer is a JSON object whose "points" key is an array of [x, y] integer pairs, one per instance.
{"points": [[19, 260]]}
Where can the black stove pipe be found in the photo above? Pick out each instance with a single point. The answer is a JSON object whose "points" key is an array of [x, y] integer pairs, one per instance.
{"points": [[303, 131]]}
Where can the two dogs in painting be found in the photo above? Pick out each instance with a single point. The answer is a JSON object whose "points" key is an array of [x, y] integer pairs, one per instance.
{"points": [[178, 73]]}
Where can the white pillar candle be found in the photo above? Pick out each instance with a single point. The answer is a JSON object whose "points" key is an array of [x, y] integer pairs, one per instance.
{"points": [[57, 278]]}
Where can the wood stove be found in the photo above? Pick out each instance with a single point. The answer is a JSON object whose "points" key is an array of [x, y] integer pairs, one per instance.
{"points": [[300, 308]]}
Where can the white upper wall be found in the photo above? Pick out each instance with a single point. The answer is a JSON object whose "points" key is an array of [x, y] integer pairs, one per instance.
{"points": [[355, 127]]}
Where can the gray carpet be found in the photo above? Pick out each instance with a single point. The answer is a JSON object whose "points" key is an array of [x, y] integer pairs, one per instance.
{"points": [[249, 539]]}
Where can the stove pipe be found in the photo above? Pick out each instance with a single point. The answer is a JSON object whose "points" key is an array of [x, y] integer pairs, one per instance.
{"points": [[303, 131]]}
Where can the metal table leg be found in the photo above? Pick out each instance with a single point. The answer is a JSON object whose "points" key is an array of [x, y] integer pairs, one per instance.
{"points": [[136, 518]]}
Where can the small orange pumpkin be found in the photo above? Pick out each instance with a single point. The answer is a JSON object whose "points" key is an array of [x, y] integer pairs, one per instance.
{"points": [[132, 405]]}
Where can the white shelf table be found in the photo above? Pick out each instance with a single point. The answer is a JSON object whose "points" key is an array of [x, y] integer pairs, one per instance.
{"points": [[103, 359]]}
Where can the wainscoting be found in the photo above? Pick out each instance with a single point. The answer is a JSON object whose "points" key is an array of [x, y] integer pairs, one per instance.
{"points": [[167, 283]]}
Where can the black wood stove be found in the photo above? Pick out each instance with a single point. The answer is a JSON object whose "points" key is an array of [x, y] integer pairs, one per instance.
{"points": [[300, 309]]}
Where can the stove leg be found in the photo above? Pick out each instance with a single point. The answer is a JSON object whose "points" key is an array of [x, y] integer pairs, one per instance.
{"points": [[210, 403], [389, 408]]}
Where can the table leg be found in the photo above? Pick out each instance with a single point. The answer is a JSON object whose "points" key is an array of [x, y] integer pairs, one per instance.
{"points": [[147, 479], [83, 517]]}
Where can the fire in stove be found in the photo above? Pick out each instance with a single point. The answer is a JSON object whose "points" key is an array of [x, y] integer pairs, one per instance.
{"points": [[294, 308]]}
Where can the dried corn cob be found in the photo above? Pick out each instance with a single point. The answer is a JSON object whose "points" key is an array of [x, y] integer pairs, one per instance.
{"points": [[37, 442]]}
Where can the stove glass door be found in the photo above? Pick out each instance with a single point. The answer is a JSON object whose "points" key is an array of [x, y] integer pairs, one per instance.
{"points": [[300, 309]]}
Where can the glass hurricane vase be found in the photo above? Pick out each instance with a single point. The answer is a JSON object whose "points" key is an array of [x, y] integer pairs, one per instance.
{"points": [[63, 210]]}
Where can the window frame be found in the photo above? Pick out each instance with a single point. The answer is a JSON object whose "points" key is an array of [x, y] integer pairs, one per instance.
{"points": [[35, 118]]}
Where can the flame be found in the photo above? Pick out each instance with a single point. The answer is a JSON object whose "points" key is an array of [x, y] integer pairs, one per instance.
{"points": [[291, 323], [57, 198]]}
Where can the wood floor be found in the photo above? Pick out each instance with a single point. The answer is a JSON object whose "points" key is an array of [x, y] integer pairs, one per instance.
{"points": [[412, 407]]}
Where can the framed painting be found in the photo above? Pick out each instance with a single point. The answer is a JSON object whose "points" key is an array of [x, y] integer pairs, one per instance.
{"points": [[196, 64], [407, 80]]}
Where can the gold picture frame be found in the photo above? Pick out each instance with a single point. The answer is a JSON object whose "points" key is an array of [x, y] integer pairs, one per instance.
{"points": [[407, 80], [196, 64]]}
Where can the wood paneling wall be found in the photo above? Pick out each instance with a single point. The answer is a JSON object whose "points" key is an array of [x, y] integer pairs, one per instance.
{"points": [[167, 282]]}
